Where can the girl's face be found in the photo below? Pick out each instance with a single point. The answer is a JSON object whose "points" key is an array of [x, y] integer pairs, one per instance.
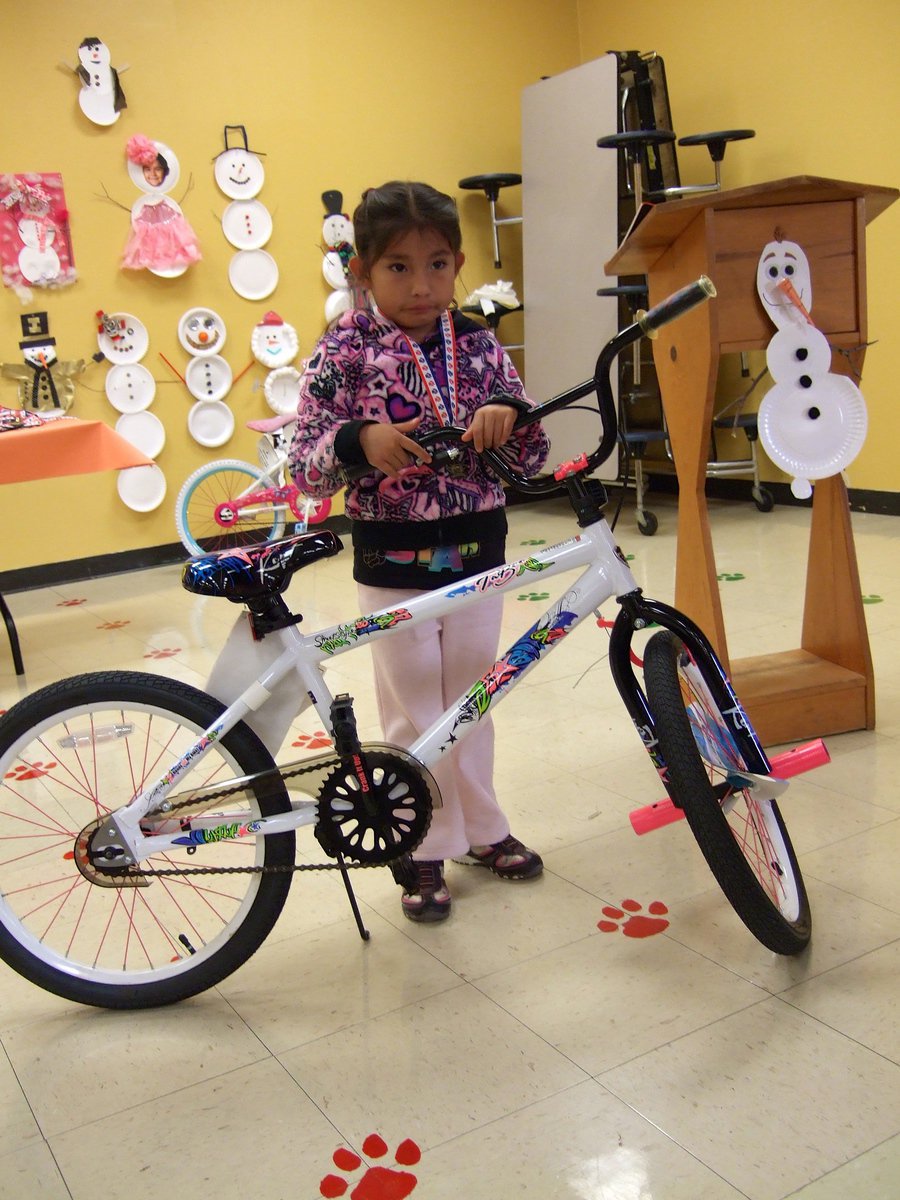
{"points": [[413, 281], [154, 173]]}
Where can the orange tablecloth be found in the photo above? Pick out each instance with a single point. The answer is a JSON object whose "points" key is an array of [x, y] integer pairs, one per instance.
{"points": [[67, 446]]}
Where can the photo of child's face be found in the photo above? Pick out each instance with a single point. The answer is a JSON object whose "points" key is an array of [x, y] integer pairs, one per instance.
{"points": [[154, 173]]}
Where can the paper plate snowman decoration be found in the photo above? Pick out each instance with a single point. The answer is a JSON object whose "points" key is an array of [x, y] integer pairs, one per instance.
{"points": [[812, 423], [208, 376], [161, 239], [123, 340], [337, 244], [275, 344], [246, 222], [101, 98]]}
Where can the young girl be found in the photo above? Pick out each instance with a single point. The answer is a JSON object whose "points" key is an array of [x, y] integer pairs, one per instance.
{"points": [[411, 362]]}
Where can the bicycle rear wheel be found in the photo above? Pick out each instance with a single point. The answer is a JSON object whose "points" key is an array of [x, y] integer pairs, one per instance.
{"points": [[69, 755], [204, 520], [743, 839]]}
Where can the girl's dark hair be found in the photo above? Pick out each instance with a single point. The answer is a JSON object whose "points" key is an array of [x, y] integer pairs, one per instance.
{"points": [[392, 210], [163, 165]]}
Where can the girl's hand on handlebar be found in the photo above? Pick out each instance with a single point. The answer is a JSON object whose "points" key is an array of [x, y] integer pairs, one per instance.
{"points": [[388, 449], [491, 427]]}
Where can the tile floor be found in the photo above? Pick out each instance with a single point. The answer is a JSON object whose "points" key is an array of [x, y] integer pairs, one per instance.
{"points": [[518, 1050]]}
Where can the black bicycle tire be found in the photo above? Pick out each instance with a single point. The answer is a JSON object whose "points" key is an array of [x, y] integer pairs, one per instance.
{"points": [[691, 788], [183, 703]]}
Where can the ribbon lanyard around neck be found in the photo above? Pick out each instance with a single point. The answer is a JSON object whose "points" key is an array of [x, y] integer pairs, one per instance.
{"points": [[445, 406]]}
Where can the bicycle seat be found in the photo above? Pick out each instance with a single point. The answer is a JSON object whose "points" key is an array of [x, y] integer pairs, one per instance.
{"points": [[270, 424], [245, 575]]}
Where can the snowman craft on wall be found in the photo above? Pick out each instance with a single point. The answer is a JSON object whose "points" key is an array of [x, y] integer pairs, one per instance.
{"points": [[246, 222], [275, 344], [812, 422], [44, 383], [208, 376], [35, 246], [101, 98], [338, 249], [130, 388], [161, 239]]}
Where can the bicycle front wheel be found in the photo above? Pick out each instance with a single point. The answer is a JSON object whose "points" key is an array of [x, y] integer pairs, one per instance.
{"points": [[205, 518], [743, 839], [69, 755]]}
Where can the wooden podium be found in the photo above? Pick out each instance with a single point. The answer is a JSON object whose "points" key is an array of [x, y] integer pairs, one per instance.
{"points": [[827, 685]]}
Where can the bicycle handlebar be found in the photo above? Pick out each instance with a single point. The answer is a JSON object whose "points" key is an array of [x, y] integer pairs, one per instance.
{"points": [[645, 324]]}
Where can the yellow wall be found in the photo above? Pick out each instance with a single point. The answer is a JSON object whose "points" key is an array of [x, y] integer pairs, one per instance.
{"points": [[818, 81], [337, 95], [347, 95]]}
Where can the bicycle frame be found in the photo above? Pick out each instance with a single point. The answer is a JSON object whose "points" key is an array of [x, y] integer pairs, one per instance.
{"points": [[304, 656]]}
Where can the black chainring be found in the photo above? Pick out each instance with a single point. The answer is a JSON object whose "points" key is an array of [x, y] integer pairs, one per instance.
{"points": [[379, 824]]}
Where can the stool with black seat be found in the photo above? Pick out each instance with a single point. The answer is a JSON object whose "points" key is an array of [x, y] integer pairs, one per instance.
{"points": [[634, 440], [636, 145], [491, 184]]}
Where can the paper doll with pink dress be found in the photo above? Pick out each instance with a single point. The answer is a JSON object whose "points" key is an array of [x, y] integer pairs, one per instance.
{"points": [[161, 239]]}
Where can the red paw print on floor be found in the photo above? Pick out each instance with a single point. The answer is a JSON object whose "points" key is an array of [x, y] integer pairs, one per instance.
{"points": [[30, 771], [313, 741], [70, 603], [638, 924], [165, 653], [113, 624], [378, 1183]]}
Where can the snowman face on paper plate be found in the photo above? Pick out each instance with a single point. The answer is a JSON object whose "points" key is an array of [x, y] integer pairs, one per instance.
{"points": [[274, 345], [783, 261], [201, 331], [239, 173], [158, 177], [40, 354], [337, 230]]}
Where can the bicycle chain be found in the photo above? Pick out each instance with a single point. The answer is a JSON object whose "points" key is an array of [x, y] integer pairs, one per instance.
{"points": [[290, 771]]}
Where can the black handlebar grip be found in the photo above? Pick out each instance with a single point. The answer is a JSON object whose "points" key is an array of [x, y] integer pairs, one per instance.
{"points": [[676, 305]]}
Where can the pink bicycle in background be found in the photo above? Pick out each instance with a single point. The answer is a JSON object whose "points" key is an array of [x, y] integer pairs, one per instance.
{"points": [[230, 504]]}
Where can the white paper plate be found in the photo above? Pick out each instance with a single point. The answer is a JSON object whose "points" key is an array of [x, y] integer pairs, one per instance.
{"points": [[253, 274], [142, 488], [247, 224], [144, 430], [130, 388], [129, 345], [208, 378], [282, 390], [813, 432], [202, 331], [239, 173], [210, 422]]}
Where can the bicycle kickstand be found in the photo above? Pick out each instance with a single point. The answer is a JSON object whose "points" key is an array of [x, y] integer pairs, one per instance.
{"points": [[346, 742]]}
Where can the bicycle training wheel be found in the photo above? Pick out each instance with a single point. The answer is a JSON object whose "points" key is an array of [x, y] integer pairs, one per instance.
{"points": [[743, 839], [71, 753], [205, 520]]}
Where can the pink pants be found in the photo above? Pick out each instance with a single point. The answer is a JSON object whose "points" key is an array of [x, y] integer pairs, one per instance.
{"points": [[418, 674]]}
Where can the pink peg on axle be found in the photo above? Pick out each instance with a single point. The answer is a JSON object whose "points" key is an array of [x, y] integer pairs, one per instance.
{"points": [[791, 762], [790, 291]]}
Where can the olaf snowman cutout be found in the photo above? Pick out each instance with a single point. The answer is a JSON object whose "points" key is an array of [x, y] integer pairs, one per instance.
{"points": [[246, 222], [812, 422], [101, 98]]}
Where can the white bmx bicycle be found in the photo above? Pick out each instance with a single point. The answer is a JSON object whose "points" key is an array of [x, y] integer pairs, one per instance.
{"points": [[147, 837], [229, 504]]}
